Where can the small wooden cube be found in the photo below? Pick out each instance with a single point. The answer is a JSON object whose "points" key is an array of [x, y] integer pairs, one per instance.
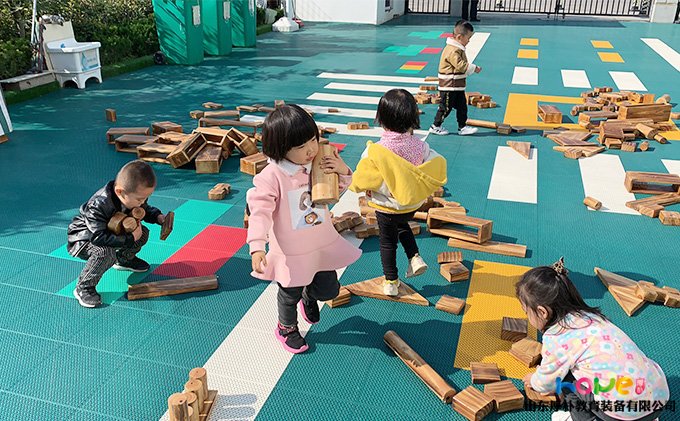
{"points": [[505, 395], [343, 298], [527, 351], [504, 129], [483, 373], [670, 218], [449, 257], [111, 115], [219, 192], [449, 304], [454, 271], [629, 146], [514, 329], [644, 146], [651, 210], [472, 403]]}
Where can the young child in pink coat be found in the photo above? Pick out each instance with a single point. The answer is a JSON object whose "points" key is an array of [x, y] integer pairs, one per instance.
{"points": [[304, 248]]}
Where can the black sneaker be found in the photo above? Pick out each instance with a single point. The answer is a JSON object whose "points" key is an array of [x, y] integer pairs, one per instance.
{"points": [[87, 297], [310, 311], [134, 265], [291, 339]]}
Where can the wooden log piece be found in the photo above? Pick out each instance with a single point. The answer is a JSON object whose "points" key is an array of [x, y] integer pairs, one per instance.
{"points": [[171, 287], [473, 404], [592, 203], [419, 366], [115, 224], [644, 146], [325, 189], [663, 99], [138, 213], [449, 304], [178, 409], [192, 402], [130, 224], [646, 131], [168, 224], [661, 139], [196, 387], [482, 123], [200, 374]]}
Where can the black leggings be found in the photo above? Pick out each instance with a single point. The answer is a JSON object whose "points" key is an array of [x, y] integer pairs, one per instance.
{"points": [[447, 102], [324, 287], [394, 228]]}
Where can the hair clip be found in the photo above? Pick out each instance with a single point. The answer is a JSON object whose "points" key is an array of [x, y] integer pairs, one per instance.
{"points": [[558, 267]]}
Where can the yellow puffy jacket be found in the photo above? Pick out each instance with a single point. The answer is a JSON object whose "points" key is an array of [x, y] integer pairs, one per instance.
{"points": [[393, 184]]}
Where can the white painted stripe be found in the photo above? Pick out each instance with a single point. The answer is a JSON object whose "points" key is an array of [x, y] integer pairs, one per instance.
{"points": [[5, 113], [525, 76], [514, 178], [237, 369], [672, 165], [342, 128], [356, 99], [368, 88], [603, 177], [627, 81], [575, 79], [375, 78], [666, 52], [475, 45], [343, 112]]}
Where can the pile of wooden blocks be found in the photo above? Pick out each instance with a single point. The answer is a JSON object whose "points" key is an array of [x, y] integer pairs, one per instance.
{"points": [[427, 98], [665, 191], [369, 224], [451, 266], [632, 295], [196, 401], [479, 100], [361, 125]]}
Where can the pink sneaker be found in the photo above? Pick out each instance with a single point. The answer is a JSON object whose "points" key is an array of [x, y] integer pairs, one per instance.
{"points": [[291, 339]]}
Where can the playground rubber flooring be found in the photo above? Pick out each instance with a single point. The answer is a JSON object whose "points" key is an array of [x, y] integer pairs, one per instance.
{"points": [[59, 361]]}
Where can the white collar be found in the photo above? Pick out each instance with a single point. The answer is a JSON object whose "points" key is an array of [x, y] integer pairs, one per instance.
{"points": [[291, 168], [455, 43]]}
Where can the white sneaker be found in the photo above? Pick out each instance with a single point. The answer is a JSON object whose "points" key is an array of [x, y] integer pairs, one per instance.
{"points": [[561, 416], [438, 130], [391, 288], [416, 266], [467, 130]]}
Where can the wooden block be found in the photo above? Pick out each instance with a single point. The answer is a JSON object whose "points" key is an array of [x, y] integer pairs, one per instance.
{"points": [[504, 129], [628, 146], [666, 199], [454, 271], [661, 139], [517, 129], [373, 288], [165, 126], [609, 279], [116, 132], [644, 146], [571, 138], [421, 216], [660, 293], [483, 123], [415, 227], [3, 138], [494, 247], [505, 395], [602, 89], [247, 108], [472, 404], [483, 373], [675, 116], [534, 396], [646, 131], [663, 99], [245, 144], [172, 138], [428, 87], [325, 187], [514, 329], [672, 300], [550, 114], [572, 153], [155, 152], [645, 292], [187, 150], [613, 143], [111, 115], [171, 287], [362, 125], [347, 220], [483, 227], [168, 225], [212, 105], [431, 78], [219, 192], [592, 203], [333, 110], [626, 298], [657, 112], [343, 298], [264, 109], [115, 224], [587, 117], [651, 210], [670, 218], [129, 142], [364, 231], [233, 114], [253, 164], [196, 114], [523, 148], [449, 304], [449, 257], [651, 183], [209, 160], [527, 351], [178, 409]]}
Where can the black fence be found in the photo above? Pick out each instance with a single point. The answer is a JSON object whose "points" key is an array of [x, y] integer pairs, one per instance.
{"points": [[428, 6], [569, 7]]}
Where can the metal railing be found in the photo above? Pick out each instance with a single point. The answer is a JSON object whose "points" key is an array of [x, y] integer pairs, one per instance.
{"points": [[428, 6], [568, 7]]}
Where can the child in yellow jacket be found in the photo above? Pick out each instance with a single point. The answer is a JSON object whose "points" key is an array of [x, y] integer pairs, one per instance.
{"points": [[398, 174]]}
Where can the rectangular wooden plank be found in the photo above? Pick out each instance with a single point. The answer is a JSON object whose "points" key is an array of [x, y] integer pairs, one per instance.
{"points": [[494, 247], [171, 287]]}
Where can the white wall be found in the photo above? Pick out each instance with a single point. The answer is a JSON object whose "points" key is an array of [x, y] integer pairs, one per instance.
{"points": [[663, 11], [349, 11]]}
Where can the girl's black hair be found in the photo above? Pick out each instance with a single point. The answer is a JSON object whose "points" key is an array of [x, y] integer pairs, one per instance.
{"points": [[285, 128], [398, 111], [545, 286]]}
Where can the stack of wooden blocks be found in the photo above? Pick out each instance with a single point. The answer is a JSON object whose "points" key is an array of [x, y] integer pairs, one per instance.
{"points": [[451, 266], [632, 295], [196, 401], [479, 100], [427, 98], [665, 191]]}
